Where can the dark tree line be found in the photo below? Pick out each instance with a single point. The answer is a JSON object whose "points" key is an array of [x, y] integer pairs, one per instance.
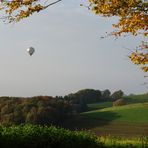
{"points": [[37, 110], [88, 96], [50, 110]]}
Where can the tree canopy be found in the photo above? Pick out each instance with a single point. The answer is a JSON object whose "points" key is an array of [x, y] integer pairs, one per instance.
{"points": [[36, 110], [16, 10], [133, 19], [117, 95], [132, 14]]}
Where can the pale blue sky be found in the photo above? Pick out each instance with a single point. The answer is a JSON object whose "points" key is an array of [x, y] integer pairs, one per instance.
{"points": [[69, 54]]}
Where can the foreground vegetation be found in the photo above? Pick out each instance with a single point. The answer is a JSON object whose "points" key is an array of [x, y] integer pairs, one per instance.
{"points": [[115, 142], [33, 136]]}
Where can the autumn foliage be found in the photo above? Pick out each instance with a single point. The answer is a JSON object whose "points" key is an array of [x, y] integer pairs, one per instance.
{"points": [[133, 19], [16, 10]]}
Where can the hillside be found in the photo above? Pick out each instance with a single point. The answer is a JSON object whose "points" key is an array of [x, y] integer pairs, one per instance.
{"points": [[137, 113], [141, 98], [103, 119], [131, 99]]}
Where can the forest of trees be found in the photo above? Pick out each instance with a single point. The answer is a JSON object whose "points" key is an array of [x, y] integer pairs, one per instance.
{"points": [[37, 110], [50, 110]]}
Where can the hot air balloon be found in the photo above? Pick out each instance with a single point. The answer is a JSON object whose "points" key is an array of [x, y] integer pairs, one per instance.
{"points": [[30, 50]]}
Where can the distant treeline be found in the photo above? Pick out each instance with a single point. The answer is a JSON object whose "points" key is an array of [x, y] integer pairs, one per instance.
{"points": [[50, 110], [93, 96]]}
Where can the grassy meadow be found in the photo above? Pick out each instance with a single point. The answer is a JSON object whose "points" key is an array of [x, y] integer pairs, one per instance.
{"points": [[130, 120], [137, 113]]}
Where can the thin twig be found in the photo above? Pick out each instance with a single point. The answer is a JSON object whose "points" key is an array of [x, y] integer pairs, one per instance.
{"points": [[52, 4]]}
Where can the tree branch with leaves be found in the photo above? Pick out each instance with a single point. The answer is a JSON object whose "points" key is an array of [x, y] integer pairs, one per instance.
{"points": [[133, 19], [16, 10]]}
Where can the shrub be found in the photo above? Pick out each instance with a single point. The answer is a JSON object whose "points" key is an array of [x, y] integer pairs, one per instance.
{"points": [[119, 102], [33, 136]]}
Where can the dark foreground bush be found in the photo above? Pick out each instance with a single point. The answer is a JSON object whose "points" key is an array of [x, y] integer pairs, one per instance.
{"points": [[33, 136]]}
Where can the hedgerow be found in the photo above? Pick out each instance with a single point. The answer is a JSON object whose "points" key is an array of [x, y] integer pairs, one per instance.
{"points": [[34, 136]]}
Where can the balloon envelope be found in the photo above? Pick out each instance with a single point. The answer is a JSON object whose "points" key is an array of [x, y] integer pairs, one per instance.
{"points": [[30, 50]]}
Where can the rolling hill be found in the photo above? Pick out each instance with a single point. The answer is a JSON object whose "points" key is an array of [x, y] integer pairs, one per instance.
{"points": [[103, 119]]}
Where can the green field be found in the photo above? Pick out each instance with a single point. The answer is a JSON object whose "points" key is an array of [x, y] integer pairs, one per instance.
{"points": [[137, 113], [101, 105], [129, 120], [131, 99], [142, 98]]}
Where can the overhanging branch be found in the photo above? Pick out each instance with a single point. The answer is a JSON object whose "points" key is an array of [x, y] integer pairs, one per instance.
{"points": [[52, 4]]}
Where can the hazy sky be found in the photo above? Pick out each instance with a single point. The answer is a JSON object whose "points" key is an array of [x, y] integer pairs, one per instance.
{"points": [[69, 54]]}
